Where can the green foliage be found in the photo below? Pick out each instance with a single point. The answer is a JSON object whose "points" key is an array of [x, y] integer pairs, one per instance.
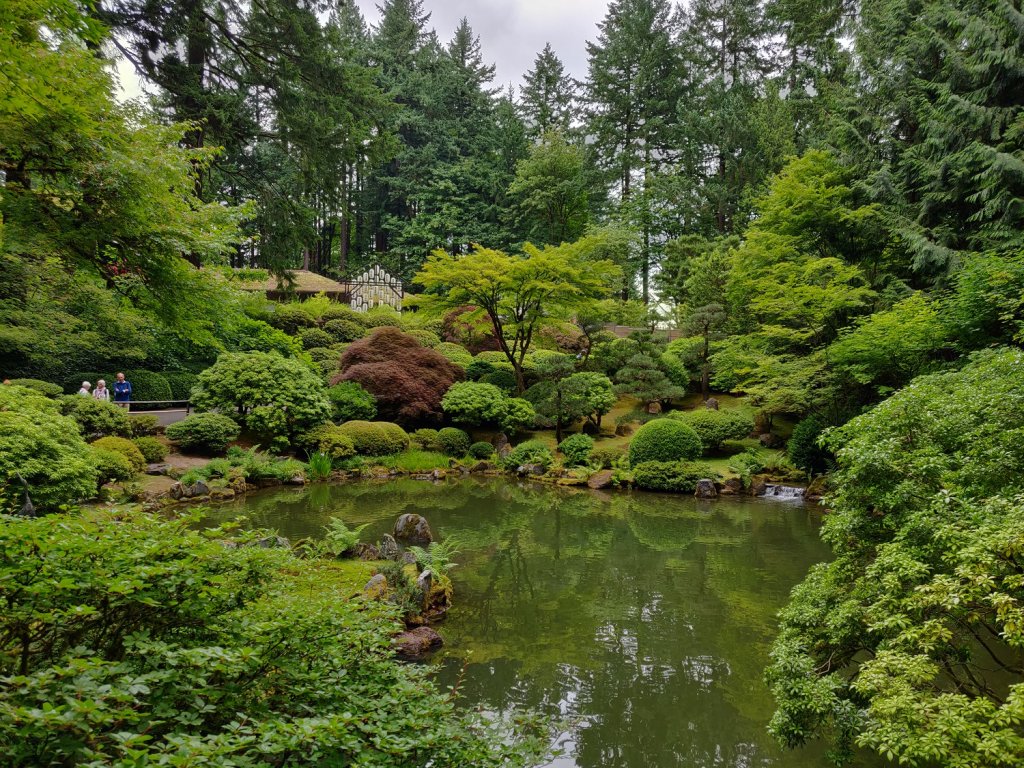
{"points": [[453, 442], [987, 303], [530, 452], [43, 447], [98, 617], [315, 337], [207, 433], [144, 425], [111, 466], [319, 466], [251, 464], [146, 385], [576, 449], [438, 557], [181, 383], [746, 464], [330, 440], [606, 456], [675, 476], [375, 438], [549, 193], [152, 450], [96, 418], [888, 645], [425, 337], [339, 538], [479, 404], [42, 387], [415, 460], [715, 427], [351, 402], [292, 318], [425, 439], [502, 379], [664, 440], [125, 447], [804, 449], [642, 378], [481, 450], [274, 397], [477, 369], [344, 329], [455, 353]]}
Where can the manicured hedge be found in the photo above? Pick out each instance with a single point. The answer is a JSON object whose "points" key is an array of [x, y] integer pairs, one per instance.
{"points": [[42, 387], [576, 449], [329, 439], [453, 442], [481, 450], [664, 440], [530, 452], [375, 438], [153, 451], [125, 447], [677, 476], [204, 432], [715, 427]]}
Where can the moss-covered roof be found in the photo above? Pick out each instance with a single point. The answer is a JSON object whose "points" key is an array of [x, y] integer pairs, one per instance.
{"points": [[302, 281]]}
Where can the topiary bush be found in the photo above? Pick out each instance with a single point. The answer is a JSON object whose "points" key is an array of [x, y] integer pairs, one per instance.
{"points": [[42, 387], [277, 398], [144, 425], [424, 337], [481, 450], [664, 440], [329, 439], [45, 448], [290, 318], [207, 433], [181, 383], [576, 449], [96, 418], [315, 337], [715, 427], [425, 439], [345, 329], [125, 447], [153, 451], [325, 359], [606, 456], [502, 379], [375, 438], [676, 476], [477, 369], [351, 402], [453, 442], [530, 452], [455, 353], [111, 466]]}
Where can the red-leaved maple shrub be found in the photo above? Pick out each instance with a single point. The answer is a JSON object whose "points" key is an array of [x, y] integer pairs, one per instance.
{"points": [[407, 379]]}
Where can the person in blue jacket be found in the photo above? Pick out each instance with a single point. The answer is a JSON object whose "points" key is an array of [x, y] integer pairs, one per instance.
{"points": [[122, 391]]}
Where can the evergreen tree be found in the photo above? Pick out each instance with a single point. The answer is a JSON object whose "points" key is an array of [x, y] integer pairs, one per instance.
{"points": [[548, 95]]}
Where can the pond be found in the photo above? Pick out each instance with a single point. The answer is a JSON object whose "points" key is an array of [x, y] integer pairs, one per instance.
{"points": [[643, 620]]}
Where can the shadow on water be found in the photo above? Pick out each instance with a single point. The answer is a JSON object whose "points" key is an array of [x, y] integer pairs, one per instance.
{"points": [[644, 619]]}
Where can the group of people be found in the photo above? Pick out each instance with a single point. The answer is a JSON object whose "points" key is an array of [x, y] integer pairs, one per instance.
{"points": [[122, 390]]}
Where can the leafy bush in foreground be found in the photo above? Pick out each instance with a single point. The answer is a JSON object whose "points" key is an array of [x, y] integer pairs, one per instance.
{"points": [[42, 387], [351, 402], [96, 417], [329, 439], [453, 442], [126, 448], [530, 452], [664, 440], [151, 643], [203, 432], [576, 449]]}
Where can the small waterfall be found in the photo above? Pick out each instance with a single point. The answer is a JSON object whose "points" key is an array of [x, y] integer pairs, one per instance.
{"points": [[783, 492]]}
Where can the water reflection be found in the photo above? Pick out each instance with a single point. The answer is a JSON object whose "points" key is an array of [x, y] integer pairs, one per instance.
{"points": [[646, 619]]}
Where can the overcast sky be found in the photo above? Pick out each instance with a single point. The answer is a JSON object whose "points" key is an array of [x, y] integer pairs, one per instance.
{"points": [[511, 32]]}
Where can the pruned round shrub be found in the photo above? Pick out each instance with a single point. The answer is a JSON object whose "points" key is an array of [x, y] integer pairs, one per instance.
{"points": [[204, 432], [325, 359], [143, 425], [153, 451], [664, 440], [425, 337], [576, 449], [337, 311], [315, 337], [407, 379], [290, 318], [125, 447], [481, 450], [345, 329], [375, 438], [606, 456], [676, 476], [502, 379], [453, 442], [530, 452], [425, 439], [477, 369], [44, 388], [455, 353], [96, 418], [715, 427], [351, 402], [44, 448], [329, 439], [111, 466]]}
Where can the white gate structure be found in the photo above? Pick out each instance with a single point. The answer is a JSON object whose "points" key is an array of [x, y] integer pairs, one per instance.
{"points": [[375, 287]]}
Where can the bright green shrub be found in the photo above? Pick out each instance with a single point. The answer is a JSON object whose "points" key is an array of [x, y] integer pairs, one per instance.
{"points": [[481, 450], [42, 387], [380, 316], [203, 432], [315, 337], [530, 452], [676, 476], [424, 337], [345, 329], [325, 359], [732, 447], [502, 379], [375, 438], [328, 439], [111, 466], [519, 414], [339, 311], [125, 447], [664, 440], [96, 418], [456, 353], [248, 335], [290, 318], [426, 439], [477, 369], [453, 442], [477, 404], [275, 397], [606, 456], [351, 402], [181, 383], [143, 425], [153, 451], [45, 448], [715, 427], [576, 449]]}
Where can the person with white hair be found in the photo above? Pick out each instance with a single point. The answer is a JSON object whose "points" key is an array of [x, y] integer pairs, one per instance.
{"points": [[101, 392], [84, 391]]}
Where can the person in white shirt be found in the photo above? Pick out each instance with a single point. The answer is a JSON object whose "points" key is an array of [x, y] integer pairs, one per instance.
{"points": [[86, 386], [101, 392]]}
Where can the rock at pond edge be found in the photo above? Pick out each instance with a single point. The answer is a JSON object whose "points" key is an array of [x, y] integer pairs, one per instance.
{"points": [[412, 529]]}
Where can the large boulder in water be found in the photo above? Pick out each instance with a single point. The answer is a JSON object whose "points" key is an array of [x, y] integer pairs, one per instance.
{"points": [[706, 489], [413, 529], [601, 479], [416, 644]]}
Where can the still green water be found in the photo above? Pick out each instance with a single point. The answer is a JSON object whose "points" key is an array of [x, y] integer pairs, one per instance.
{"points": [[643, 620]]}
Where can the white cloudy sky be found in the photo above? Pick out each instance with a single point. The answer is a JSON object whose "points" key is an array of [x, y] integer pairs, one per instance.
{"points": [[511, 32]]}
